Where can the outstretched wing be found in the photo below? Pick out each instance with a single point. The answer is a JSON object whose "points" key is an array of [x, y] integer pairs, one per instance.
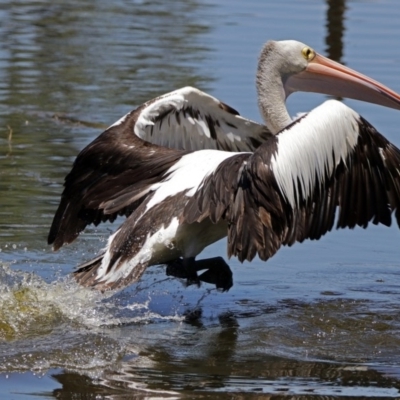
{"points": [[110, 177], [113, 174], [330, 164], [190, 119]]}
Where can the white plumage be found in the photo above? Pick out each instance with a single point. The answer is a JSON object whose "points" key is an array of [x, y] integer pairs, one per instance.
{"points": [[186, 175], [304, 154]]}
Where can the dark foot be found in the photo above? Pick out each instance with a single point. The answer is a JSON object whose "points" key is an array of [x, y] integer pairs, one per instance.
{"points": [[184, 268], [217, 272], [176, 269]]}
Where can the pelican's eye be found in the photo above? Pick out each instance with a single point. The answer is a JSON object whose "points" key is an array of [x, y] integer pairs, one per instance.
{"points": [[308, 53]]}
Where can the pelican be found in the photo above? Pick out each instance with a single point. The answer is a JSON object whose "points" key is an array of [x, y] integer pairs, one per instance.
{"points": [[188, 170]]}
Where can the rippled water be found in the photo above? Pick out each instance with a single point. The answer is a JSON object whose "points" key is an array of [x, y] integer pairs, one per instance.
{"points": [[319, 319]]}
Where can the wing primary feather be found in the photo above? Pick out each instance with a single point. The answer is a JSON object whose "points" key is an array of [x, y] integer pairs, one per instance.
{"points": [[360, 184]]}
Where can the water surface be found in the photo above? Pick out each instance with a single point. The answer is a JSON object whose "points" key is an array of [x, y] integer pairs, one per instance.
{"points": [[318, 319]]}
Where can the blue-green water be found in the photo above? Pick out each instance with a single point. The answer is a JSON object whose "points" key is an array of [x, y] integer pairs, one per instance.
{"points": [[318, 319]]}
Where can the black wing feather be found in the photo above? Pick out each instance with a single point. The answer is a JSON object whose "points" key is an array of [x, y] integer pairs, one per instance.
{"points": [[108, 179]]}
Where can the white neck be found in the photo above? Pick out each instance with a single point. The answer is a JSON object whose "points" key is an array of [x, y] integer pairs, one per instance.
{"points": [[271, 98]]}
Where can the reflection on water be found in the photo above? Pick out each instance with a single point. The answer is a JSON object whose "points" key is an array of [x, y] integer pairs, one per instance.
{"points": [[197, 377], [303, 324], [335, 29]]}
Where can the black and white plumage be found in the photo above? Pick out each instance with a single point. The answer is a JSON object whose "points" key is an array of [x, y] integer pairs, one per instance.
{"points": [[297, 183], [329, 164], [290, 189], [112, 174]]}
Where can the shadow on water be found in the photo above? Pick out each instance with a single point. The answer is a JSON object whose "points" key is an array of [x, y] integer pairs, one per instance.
{"points": [[315, 329]]}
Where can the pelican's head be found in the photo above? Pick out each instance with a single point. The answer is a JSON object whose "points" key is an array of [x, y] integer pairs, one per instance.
{"points": [[300, 68]]}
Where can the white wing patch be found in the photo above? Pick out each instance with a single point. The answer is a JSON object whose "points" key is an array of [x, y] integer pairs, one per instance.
{"points": [[190, 119], [187, 174], [313, 147]]}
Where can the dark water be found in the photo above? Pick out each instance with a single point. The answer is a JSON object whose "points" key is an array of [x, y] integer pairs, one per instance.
{"points": [[318, 320]]}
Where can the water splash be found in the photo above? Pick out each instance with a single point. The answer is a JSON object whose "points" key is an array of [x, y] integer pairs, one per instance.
{"points": [[60, 324]]}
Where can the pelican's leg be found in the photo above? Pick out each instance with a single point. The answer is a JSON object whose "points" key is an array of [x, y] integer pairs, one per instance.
{"points": [[217, 271]]}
